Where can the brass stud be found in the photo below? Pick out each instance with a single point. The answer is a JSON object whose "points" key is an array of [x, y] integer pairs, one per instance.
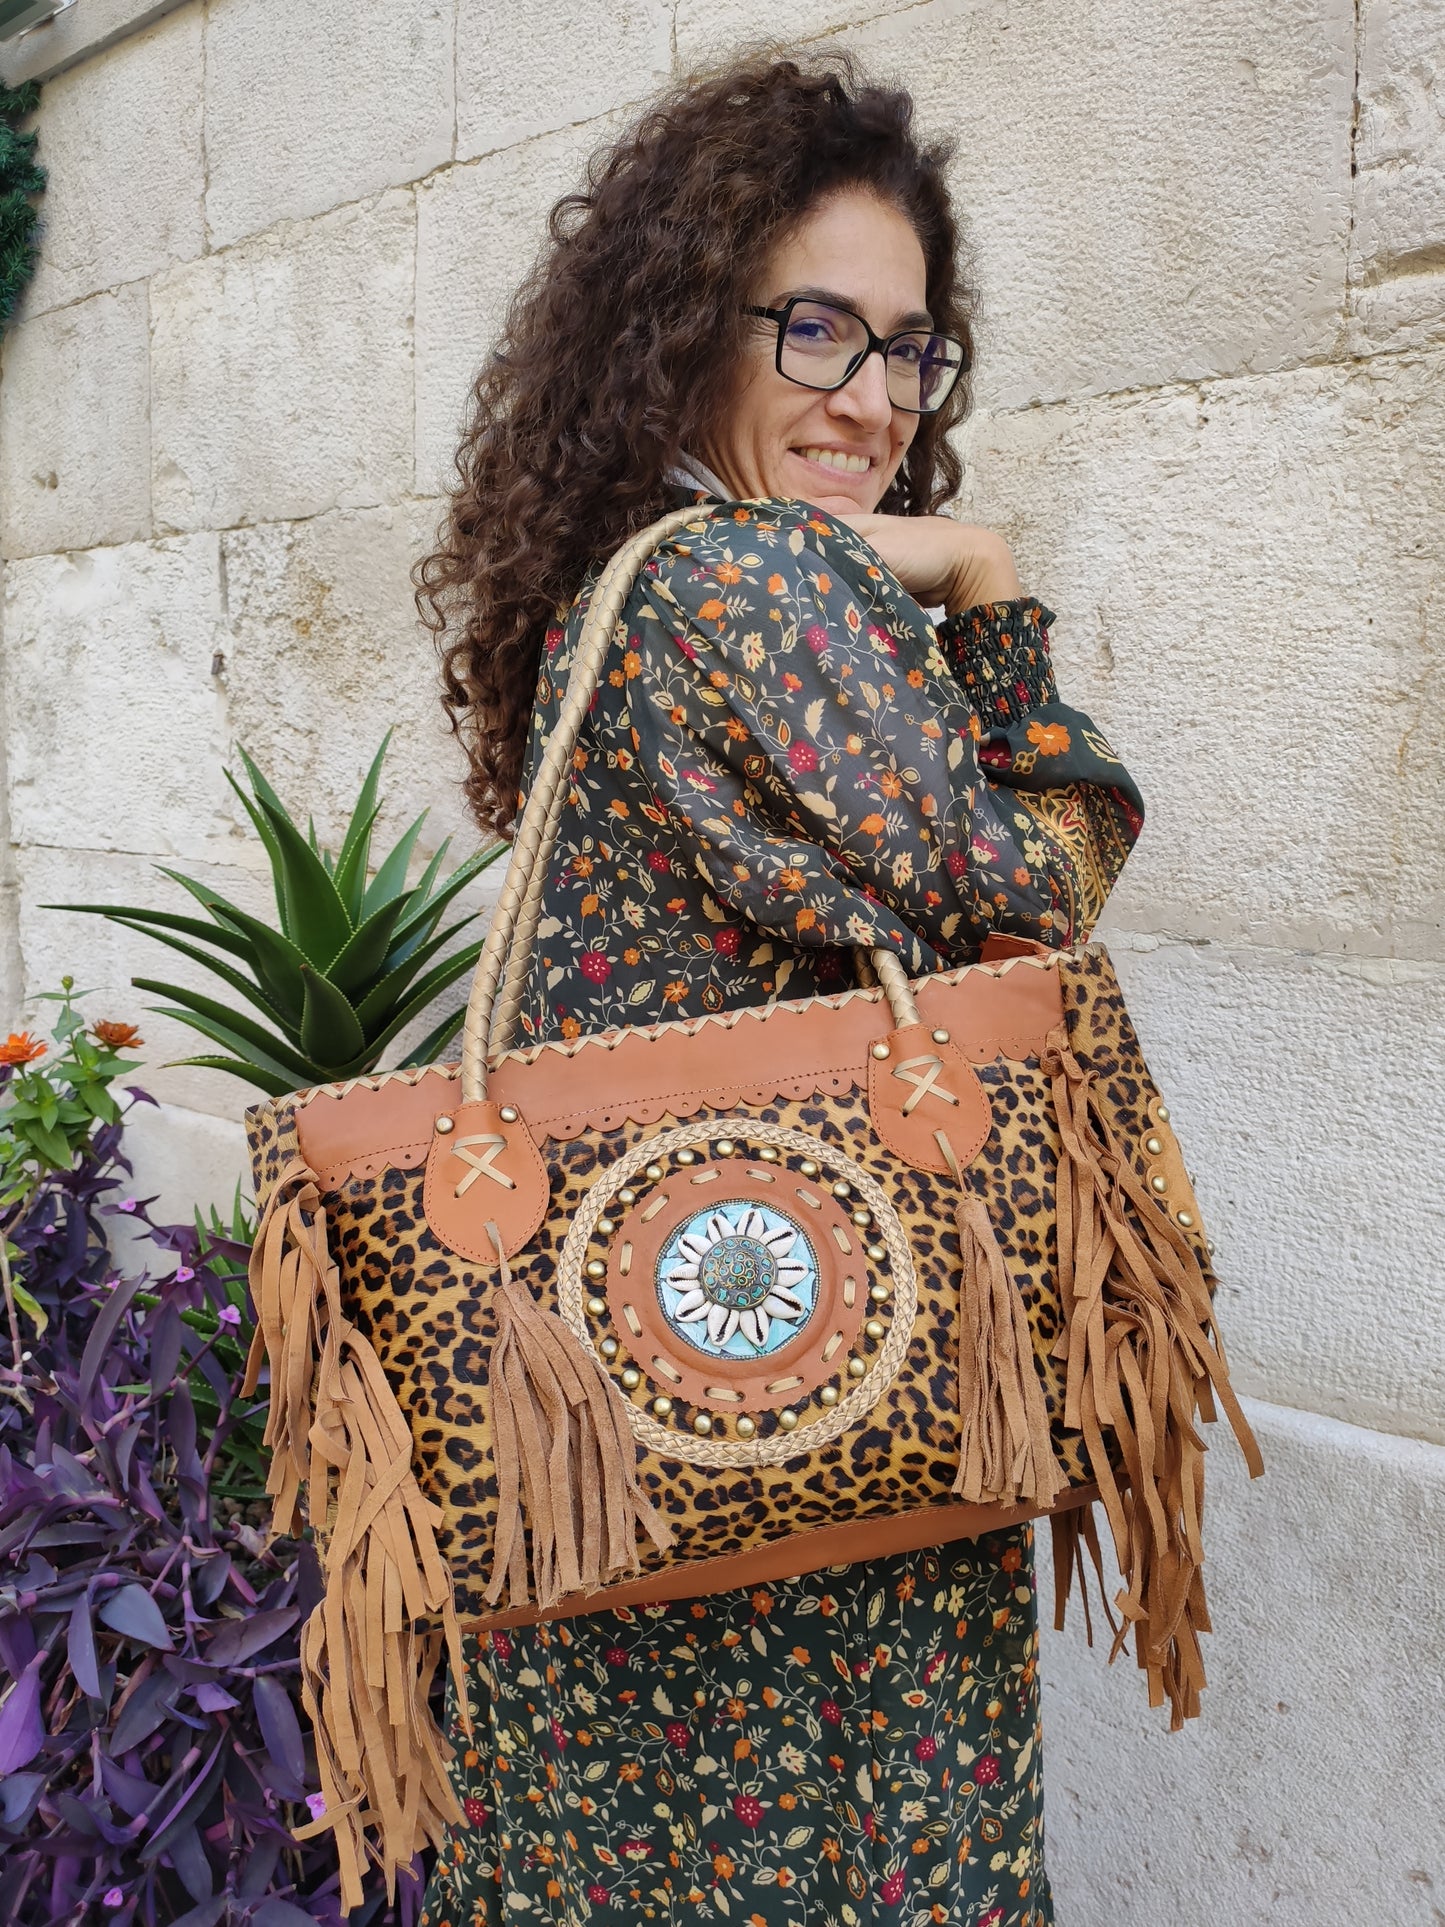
{"points": [[879, 1294], [828, 1395], [606, 1226], [596, 1268], [787, 1419], [702, 1425], [662, 1407], [1186, 1218], [508, 1114], [874, 1328], [770, 1154], [877, 1253], [746, 1427], [809, 1167], [861, 1215], [856, 1368], [654, 1173], [842, 1189], [597, 1306], [627, 1195], [1163, 1113], [725, 1147], [1159, 1182], [632, 1378], [1209, 1246], [940, 1036], [880, 1051], [1154, 1146], [608, 1348], [444, 1126], [686, 1156]]}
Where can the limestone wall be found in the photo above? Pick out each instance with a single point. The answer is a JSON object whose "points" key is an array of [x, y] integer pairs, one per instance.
{"points": [[1211, 418]]}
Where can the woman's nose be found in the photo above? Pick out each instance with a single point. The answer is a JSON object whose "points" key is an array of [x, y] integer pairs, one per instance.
{"points": [[864, 398]]}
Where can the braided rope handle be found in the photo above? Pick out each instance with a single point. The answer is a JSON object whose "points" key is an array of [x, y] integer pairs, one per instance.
{"points": [[506, 959]]}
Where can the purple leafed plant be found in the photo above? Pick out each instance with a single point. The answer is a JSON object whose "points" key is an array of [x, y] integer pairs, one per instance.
{"points": [[153, 1762]]}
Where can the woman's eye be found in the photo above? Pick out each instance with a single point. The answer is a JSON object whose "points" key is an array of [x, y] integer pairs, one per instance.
{"points": [[809, 334], [907, 354]]}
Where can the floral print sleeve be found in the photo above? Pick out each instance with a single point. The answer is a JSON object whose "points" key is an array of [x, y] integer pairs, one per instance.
{"points": [[826, 767], [784, 760]]}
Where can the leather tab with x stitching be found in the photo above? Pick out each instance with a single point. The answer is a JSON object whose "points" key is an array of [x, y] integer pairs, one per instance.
{"points": [[921, 1088], [484, 1168]]}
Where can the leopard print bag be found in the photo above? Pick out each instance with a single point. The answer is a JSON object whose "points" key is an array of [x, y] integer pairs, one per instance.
{"points": [[671, 1310]]}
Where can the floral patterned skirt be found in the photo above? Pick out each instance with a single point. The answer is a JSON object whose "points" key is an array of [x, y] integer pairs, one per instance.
{"points": [[856, 1748]]}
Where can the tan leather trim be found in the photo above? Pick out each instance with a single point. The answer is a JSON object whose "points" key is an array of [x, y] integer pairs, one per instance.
{"points": [[784, 1050], [923, 1087], [485, 1169], [802, 1552]]}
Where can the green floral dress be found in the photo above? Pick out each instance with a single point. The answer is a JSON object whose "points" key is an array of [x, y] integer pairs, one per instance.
{"points": [[786, 760]]}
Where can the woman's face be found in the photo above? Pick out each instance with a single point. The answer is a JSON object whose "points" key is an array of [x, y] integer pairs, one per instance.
{"points": [[841, 449]]}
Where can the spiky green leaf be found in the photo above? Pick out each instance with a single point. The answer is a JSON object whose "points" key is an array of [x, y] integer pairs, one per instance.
{"points": [[364, 952], [387, 991], [429, 1050], [330, 1032], [390, 879], [420, 920], [356, 844], [431, 985], [272, 1083], [277, 1052], [316, 917]]}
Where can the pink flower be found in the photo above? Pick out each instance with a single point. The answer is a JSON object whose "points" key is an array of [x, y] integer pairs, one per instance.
{"points": [[559, 1737], [657, 860], [596, 1893], [475, 1812], [817, 638], [616, 1656], [891, 1892], [749, 1809], [831, 1712], [677, 1733], [934, 1668], [595, 966], [686, 647], [802, 757], [113, 1897], [993, 1918], [957, 863], [316, 1805], [502, 1647], [554, 638], [925, 1748], [727, 940], [635, 1850], [986, 1770]]}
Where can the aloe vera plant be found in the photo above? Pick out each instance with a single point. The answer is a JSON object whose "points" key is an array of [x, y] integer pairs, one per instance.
{"points": [[355, 955]]}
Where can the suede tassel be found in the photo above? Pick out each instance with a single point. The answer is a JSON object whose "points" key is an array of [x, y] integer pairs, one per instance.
{"points": [[565, 1460], [335, 1428], [1005, 1454], [1143, 1363]]}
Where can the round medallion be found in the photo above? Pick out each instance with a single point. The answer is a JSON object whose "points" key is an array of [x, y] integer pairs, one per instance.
{"points": [[737, 1280]]}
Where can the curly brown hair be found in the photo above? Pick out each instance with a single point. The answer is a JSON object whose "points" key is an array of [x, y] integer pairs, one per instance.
{"points": [[620, 349]]}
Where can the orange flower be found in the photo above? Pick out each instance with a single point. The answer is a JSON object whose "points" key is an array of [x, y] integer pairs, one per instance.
{"points": [[617, 806], [787, 1801], [582, 866], [805, 919], [712, 611], [629, 1771], [825, 583], [116, 1036], [589, 903], [1011, 1560], [762, 1602], [741, 1749], [631, 664], [891, 783], [21, 1048], [722, 1866], [737, 729], [1049, 739], [771, 1696], [579, 759], [872, 824], [785, 1879], [792, 879], [792, 682], [915, 679], [632, 955], [819, 528], [727, 573], [802, 1655], [776, 585], [675, 991], [832, 1849], [905, 1586]]}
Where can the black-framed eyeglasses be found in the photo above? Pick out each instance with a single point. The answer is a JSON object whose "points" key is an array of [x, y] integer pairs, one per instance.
{"points": [[821, 346]]}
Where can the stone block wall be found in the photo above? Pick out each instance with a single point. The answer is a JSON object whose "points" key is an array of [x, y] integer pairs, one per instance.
{"points": [[1211, 246]]}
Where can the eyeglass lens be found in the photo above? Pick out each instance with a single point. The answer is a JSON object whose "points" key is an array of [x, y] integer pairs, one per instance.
{"points": [[822, 346]]}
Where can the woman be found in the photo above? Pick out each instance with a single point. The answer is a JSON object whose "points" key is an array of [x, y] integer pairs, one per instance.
{"points": [[756, 305]]}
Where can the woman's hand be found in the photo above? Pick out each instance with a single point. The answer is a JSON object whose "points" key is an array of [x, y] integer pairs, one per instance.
{"points": [[937, 559]]}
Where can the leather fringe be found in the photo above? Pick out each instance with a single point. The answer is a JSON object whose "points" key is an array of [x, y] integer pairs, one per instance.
{"points": [[1006, 1454], [1143, 1362], [565, 1459], [335, 1427]]}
